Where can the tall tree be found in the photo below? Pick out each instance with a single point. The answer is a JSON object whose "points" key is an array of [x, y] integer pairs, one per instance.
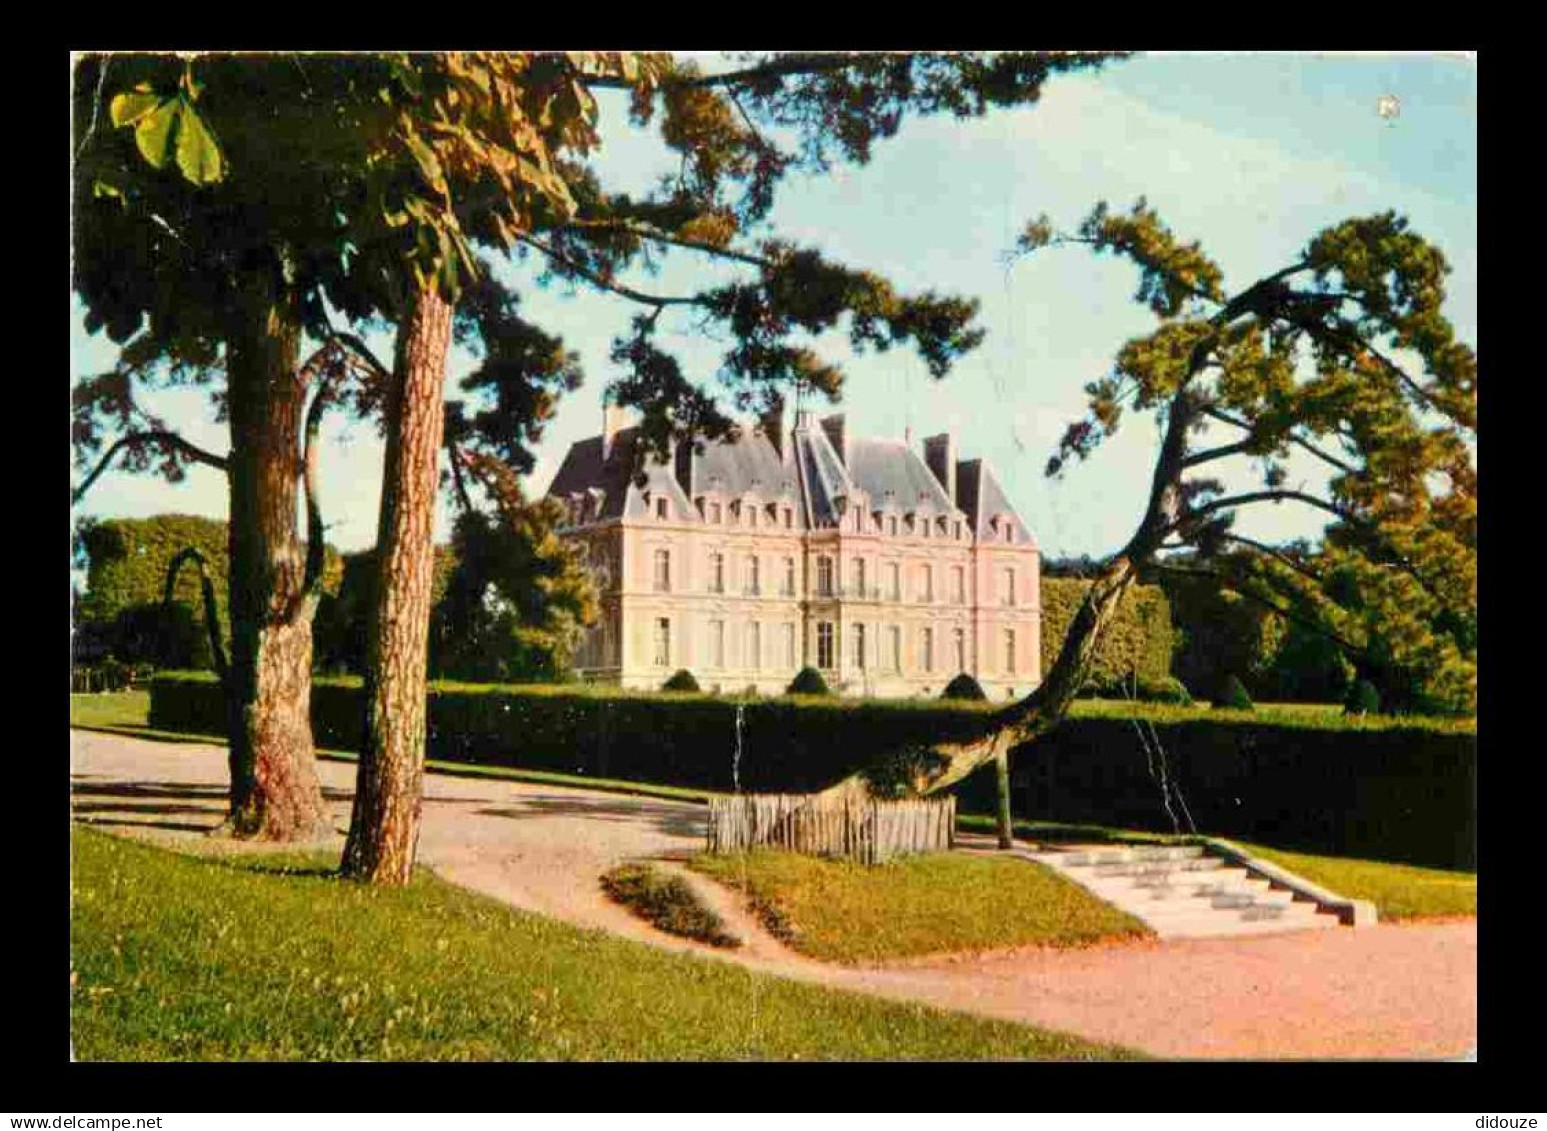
{"points": [[1344, 355], [204, 227]]}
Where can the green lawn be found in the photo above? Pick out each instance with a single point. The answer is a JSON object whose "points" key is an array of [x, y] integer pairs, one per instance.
{"points": [[848, 912], [1399, 891], [110, 709], [273, 958]]}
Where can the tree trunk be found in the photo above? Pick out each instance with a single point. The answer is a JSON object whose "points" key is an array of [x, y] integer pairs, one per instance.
{"points": [[1002, 789], [275, 794], [384, 828]]}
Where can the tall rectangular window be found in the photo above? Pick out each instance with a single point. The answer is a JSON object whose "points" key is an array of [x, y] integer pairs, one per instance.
{"points": [[894, 581], [824, 644], [662, 642], [959, 585], [754, 656], [859, 646], [717, 572], [789, 577], [663, 571], [754, 582], [660, 508], [859, 577], [824, 576], [894, 648], [927, 583], [891, 526], [717, 643], [789, 646], [789, 518], [1009, 587], [716, 513], [961, 650], [928, 650], [1009, 650]]}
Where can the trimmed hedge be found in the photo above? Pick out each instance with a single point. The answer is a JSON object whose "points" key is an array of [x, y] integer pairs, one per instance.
{"points": [[1139, 638], [1400, 790]]}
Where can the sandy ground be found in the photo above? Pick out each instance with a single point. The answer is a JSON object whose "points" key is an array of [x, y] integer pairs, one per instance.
{"points": [[1389, 991]]}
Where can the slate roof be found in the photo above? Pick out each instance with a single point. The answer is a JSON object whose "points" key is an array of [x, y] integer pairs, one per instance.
{"points": [[812, 472]]}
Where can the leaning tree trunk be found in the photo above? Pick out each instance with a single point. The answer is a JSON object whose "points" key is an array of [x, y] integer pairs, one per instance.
{"points": [[275, 794], [945, 764], [384, 828]]}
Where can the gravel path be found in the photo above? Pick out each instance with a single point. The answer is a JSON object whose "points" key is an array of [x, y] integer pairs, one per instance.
{"points": [[1390, 991]]}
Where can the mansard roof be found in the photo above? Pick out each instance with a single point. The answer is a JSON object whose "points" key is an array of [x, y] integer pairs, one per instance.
{"points": [[812, 472]]}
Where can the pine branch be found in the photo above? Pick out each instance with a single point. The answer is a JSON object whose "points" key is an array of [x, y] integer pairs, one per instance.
{"points": [[158, 436]]}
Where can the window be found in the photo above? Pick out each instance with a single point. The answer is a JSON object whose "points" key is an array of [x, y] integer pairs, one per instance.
{"points": [[663, 571], [961, 650], [789, 645], [662, 642], [894, 581], [891, 526], [859, 577], [859, 647], [716, 513], [894, 648], [824, 576], [928, 650], [927, 584], [958, 532], [754, 581], [717, 573], [959, 585], [1009, 650], [754, 656], [923, 528], [1009, 587], [824, 644], [717, 644], [751, 515], [660, 508], [789, 518], [789, 577], [1008, 533]]}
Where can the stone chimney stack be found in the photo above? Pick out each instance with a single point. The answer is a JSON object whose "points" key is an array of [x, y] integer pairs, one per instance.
{"points": [[838, 436], [940, 456], [614, 420], [772, 425]]}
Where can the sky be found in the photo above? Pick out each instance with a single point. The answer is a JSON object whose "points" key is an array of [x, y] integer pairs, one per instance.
{"points": [[1251, 154]]}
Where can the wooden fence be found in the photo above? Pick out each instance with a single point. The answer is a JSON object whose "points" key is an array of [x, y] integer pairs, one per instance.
{"points": [[868, 831]]}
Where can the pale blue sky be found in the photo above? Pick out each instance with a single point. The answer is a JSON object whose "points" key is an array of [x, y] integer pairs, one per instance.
{"points": [[1251, 154]]}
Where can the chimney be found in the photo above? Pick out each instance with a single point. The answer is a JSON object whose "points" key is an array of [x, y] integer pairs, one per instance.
{"points": [[682, 459], [614, 420], [940, 456], [772, 424], [838, 436]]}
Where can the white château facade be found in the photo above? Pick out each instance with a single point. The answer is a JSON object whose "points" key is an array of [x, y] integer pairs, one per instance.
{"points": [[888, 571]]}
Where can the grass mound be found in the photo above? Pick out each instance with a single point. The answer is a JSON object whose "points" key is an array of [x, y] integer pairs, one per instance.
{"points": [[666, 902], [254, 958], [945, 902]]}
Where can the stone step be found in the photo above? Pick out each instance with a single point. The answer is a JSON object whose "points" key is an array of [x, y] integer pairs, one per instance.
{"points": [[1180, 891], [1158, 867], [1127, 854]]}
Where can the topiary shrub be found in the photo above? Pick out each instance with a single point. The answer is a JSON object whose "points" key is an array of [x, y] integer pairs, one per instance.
{"points": [[681, 680], [1363, 699], [963, 687], [1169, 690], [1232, 694], [809, 681]]}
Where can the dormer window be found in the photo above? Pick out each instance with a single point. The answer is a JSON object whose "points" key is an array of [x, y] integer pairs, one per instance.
{"points": [[716, 514], [891, 526], [660, 508], [789, 518]]}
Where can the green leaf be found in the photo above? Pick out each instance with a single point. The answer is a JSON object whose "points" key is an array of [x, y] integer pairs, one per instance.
{"points": [[129, 107], [102, 188], [154, 133], [198, 155]]}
